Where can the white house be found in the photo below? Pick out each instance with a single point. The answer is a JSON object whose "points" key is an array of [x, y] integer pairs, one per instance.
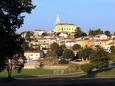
{"points": [[38, 32], [112, 36], [33, 55], [101, 37], [63, 35], [69, 44]]}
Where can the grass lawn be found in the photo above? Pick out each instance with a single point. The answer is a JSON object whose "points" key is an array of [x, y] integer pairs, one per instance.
{"points": [[27, 72], [42, 72], [106, 74]]}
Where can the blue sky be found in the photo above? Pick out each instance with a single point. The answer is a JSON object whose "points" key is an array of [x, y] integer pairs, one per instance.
{"points": [[84, 13]]}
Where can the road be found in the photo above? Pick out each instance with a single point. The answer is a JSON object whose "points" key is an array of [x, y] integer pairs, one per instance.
{"points": [[59, 82]]}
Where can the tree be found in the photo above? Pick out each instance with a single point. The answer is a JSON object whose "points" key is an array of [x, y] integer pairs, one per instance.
{"points": [[85, 53], [76, 47], [28, 36], [95, 32], [55, 50], [107, 33], [112, 55], [99, 58], [112, 50], [11, 19], [68, 54], [79, 33]]}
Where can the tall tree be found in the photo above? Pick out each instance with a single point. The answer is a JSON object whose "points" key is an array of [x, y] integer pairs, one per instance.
{"points": [[79, 33], [99, 58], [112, 50], [68, 54], [85, 53], [10, 20], [55, 49]]}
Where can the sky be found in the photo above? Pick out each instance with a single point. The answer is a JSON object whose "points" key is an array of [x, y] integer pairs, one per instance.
{"points": [[87, 14]]}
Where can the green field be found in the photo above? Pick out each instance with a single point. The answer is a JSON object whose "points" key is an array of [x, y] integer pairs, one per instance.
{"points": [[106, 74], [57, 73], [43, 73]]}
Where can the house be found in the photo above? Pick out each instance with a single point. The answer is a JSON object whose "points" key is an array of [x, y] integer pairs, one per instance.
{"points": [[64, 35], [105, 44], [69, 42], [87, 43], [38, 32], [33, 55], [101, 37], [112, 36], [102, 43]]}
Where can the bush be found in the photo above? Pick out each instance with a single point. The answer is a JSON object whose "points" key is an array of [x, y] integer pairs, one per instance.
{"points": [[72, 68], [87, 68], [63, 61]]}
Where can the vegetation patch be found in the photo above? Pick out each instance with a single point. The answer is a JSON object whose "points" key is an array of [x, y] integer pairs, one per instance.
{"points": [[87, 68]]}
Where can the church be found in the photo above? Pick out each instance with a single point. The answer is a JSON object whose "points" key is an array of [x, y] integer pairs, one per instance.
{"points": [[65, 27]]}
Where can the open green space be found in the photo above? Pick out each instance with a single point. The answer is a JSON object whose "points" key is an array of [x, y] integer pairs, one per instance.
{"points": [[42, 73], [106, 74]]}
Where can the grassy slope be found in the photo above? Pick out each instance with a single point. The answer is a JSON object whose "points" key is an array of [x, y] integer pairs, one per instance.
{"points": [[41, 72]]}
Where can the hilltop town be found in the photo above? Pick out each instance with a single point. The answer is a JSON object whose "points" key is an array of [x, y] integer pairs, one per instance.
{"points": [[68, 35], [67, 55]]}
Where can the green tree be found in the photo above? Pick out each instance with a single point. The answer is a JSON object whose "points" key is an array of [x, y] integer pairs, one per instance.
{"points": [[11, 19], [112, 50], [107, 33], [95, 32], [112, 55], [68, 54], [28, 36], [79, 33], [85, 53], [86, 68], [55, 50], [99, 58], [76, 47]]}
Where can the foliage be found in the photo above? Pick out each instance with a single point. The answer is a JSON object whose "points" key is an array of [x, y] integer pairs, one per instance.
{"points": [[11, 18], [85, 53], [63, 61], [95, 32], [107, 33], [87, 68], [100, 58], [112, 50], [28, 36], [79, 33], [112, 55], [72, 68], [68, 54], [60, 51], [76, 47], [55, 49]]}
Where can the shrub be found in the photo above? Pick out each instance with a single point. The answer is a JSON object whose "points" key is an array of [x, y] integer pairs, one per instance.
{"points": [[87, 68], [63, 61], [72, 68]]}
